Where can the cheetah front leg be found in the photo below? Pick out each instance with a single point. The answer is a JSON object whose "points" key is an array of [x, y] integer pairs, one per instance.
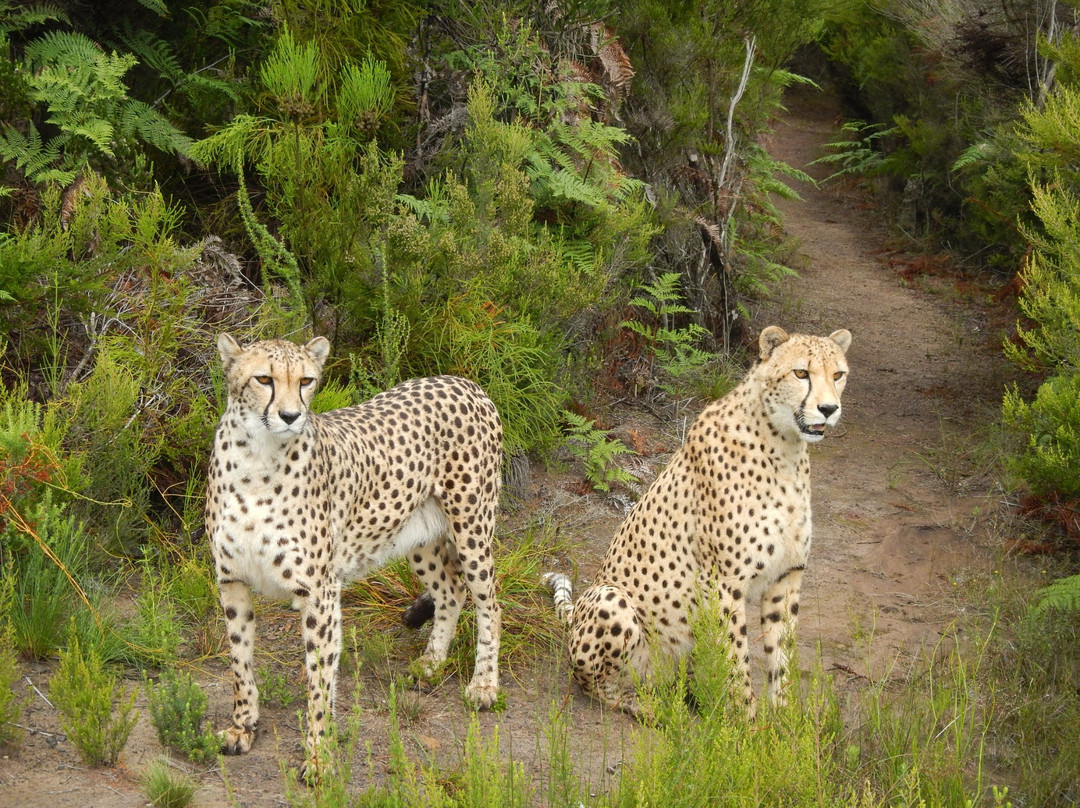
{"points": [[320, 617], [733, 602], [240, 627], [779, 613]]}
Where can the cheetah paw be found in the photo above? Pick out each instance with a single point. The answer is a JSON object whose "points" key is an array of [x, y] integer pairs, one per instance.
{"points": [[427, 671], [482, 696], [236, 740]]}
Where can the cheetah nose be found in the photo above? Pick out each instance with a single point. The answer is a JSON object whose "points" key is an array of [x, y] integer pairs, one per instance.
{"points": [[827, 409], [289, 417]]}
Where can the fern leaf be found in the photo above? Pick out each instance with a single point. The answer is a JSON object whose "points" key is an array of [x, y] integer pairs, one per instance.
{"points": [[972, 155], [153, 52], [23, 18], [1061, 595], [140, 119]]}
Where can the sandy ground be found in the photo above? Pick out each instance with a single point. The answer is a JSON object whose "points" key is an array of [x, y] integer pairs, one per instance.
{"points": [[901, 517]]}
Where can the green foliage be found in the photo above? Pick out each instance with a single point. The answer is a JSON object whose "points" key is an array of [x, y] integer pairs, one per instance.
{"points": [[46, 554], [598, 452], [858, 153], [81, 93], [178, 712], [11, 705], [85, 693], [165, 788], [1062, 595], [1031, 669], [918, 741], [671, 346], [1049, 460]]}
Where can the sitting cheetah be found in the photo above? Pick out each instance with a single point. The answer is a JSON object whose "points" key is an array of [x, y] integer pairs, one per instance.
{"points": [[729, 516], [298, 503]]}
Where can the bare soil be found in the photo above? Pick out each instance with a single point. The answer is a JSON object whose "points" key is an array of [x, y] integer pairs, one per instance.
{"points": [[903, 514]]}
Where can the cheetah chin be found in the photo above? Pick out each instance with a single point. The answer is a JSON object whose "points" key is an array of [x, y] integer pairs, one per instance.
{"points": [[726, 523]]}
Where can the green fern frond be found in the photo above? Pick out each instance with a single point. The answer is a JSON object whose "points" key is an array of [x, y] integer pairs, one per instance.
{"points": [[34, 157], [598, 451], [153, 51], [975, 154], [159, 7], [20, 19], [581, 254], [1061, 595], [139, 118]]}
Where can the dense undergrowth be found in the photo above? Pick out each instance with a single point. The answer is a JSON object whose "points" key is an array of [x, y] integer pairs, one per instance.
{"points": [[566, 202]]}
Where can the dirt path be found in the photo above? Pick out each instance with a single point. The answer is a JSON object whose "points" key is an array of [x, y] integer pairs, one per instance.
{"points": [[901, 511], [898, 521]]}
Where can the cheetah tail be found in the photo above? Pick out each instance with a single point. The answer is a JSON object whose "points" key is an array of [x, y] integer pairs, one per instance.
{"points": [[561, 595]]}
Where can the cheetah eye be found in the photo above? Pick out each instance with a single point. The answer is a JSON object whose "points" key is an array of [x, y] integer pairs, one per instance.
{"points": [[264, 380], [306, 381], [838, 375], [801, 374]]}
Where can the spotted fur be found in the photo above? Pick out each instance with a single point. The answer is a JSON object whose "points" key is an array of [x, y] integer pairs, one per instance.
{"points": [[729, 516], [299, 503]]}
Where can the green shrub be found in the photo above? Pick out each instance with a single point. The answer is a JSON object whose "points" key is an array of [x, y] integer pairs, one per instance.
{"points": [[1049, 463], [165, 788], [11, 706], [85, 693], [178, 713], [47, 559]]}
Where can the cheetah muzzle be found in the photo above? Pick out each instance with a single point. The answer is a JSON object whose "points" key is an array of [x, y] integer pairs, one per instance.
{"points": [[727, 520], [299, 503]]}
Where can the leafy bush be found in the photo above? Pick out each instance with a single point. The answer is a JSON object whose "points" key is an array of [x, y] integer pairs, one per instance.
{"points": [[1049, 463], [178, 713], [85, 694]]}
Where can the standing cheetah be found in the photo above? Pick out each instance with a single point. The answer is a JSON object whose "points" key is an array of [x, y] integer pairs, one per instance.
{"points": [[728, 517], [298, 503]]}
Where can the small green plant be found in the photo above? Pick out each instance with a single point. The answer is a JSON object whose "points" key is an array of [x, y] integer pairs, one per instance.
{"points": [[672, 347], [166, 788], [95, 718], [859, 153], [597, 451], [11, 705], [277, 687], [1063, 594], [177, 711]]}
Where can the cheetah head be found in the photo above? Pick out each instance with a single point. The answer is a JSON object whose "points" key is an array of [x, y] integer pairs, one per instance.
{"points": [[273, 381], [803, 379]]}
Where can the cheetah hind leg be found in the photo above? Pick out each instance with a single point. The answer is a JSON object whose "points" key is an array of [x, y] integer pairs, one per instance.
{"points": [[437, 566], [608, 650]]}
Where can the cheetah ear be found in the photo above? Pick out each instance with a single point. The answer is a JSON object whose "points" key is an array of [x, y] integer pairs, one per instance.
{"points": [[228, 348], [318, 349], [841, 338], [771, 339]]}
